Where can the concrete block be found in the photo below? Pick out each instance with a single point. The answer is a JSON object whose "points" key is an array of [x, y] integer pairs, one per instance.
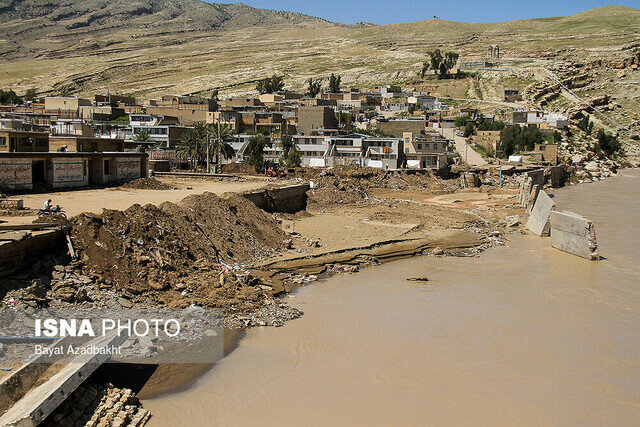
{"points": [[537, 176], [574, 234], [538, 222], [558, 176], [526, 192]]}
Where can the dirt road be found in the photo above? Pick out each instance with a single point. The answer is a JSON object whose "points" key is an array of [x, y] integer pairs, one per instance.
{"points": [[75, 202], [469, 155]]}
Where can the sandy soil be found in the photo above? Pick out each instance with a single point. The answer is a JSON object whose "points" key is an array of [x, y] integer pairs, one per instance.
{"points": [[402, 214], [76, 202]]}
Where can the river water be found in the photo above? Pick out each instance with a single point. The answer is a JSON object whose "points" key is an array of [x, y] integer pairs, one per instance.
{"points": [[522, 334]]}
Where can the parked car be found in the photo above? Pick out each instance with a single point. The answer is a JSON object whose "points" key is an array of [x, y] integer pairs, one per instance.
{"points": [[459, 133]]}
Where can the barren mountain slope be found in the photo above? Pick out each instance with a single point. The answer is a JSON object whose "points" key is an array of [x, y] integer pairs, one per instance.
{"points": [[149, 47]]}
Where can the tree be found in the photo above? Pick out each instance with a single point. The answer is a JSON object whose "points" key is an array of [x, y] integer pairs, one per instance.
{"points": [[290, 155], [461, 120], [608, 143], [468, 129], [213, 100], [334, 83], [188, 146], [271, 84], [450, 59], [9, 97], [440, 63], [222, 135], [515, 139], [30, 95], [585, 125], [142, 136], [255, 151], [315, 87]]}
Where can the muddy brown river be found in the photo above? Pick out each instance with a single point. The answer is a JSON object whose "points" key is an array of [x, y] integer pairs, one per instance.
{"points": [[523, 334]]}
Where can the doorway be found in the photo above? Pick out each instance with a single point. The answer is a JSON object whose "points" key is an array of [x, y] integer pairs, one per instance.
{"points": [[38, 176]]}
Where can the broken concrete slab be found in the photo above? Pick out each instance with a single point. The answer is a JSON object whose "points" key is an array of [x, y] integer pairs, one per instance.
{"points": [[538, 222], [574, 234], [532, 198]]}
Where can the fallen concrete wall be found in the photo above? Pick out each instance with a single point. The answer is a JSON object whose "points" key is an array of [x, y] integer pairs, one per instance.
{"points": [[574, 234], [290, 199], [538, 222]]}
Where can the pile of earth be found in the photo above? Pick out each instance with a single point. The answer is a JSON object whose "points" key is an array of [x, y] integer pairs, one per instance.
{"points": [[147, 184], [353, 184], [179, 254], [239, 168]]}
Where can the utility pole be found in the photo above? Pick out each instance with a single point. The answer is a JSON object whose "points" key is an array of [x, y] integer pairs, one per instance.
{"points": [[208, 153]]}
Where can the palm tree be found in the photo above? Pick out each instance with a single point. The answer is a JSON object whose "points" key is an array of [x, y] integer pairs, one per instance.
{"points": [[222, 135], [142, 136], [188, 146]]}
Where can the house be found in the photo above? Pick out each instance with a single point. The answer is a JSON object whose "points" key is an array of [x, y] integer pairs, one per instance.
{"points": [[18, 136], [50, 170], [397, 127], [425, 150], [512, 95], [65, 106], [75, 135], [164, 131], [188, 109], [314, 119], [549, 152], [314, 149], [540, 119], [488, 139]]}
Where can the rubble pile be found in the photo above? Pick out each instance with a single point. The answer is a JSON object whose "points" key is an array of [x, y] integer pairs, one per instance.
{"points": [[239, 168], [97, 406], [172, 255], [353, 184], [147, 184]]}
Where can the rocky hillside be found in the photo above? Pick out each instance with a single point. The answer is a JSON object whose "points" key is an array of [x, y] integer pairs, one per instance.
{"points": [[150, 47]]}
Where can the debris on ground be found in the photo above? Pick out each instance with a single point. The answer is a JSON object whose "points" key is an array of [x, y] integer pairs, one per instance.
{"points": [[94, 405], [147, 184]]}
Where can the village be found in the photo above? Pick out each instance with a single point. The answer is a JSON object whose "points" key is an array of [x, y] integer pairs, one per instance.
{"points": [[233, 203], [67, 141]]}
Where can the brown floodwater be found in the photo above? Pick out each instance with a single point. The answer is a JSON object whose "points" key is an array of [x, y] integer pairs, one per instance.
{"points": [[521, 334]]}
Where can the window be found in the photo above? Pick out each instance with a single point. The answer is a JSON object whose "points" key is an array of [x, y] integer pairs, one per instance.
{"points": [[3, 141], [419, 146], [426, 146], [107, 167], [41, 142]]}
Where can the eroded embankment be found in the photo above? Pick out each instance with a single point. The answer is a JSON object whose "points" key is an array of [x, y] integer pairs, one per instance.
{"points": [[288, 274]]}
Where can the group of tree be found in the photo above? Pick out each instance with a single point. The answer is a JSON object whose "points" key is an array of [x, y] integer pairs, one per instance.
{"points": [[515, 139], [314, 87], [441, 63], [271, 84], [8, 97], [203, 141]]}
